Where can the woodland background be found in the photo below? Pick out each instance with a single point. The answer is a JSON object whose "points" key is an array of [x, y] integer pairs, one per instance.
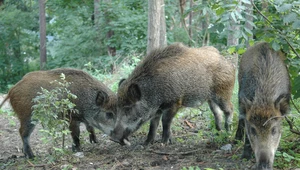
{"points": [[108, 38]]}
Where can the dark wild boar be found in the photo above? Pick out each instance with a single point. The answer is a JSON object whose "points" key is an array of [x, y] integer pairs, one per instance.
{"points": [[264, 95], [95, 103], [168, 79]]}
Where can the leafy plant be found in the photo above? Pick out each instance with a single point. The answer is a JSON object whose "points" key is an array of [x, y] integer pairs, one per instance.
{"points": [[52, 108]]}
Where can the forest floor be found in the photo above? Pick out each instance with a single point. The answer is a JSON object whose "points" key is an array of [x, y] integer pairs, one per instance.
{"points": [[193, 147]]}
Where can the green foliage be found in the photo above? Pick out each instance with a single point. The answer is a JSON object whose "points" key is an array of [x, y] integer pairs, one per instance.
{"points": [[286, 160], [52, 108], [122, 71], [18, 42]]}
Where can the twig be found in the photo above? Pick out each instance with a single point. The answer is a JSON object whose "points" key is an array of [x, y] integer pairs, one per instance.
{"points": [[32, 165], [176, 153], [272, 118], [280, 33], [291, 126], [189, 124], [295, 106]]}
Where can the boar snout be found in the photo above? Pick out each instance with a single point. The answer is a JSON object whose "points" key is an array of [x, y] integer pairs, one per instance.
{"points": [[265, 161], [120, 135]]}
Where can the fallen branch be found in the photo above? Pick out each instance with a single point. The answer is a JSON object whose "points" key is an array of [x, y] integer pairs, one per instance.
{"points": [[35, 166], [176, 153]]}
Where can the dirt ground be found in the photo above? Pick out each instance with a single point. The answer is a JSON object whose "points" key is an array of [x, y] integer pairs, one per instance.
{"points": [[187, 150]]}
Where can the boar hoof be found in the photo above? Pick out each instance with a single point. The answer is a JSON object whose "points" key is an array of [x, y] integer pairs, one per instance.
{"points": [[166, 141], [30, 156], [147, 142], [93, 139], [246, 155], [76, 148]]}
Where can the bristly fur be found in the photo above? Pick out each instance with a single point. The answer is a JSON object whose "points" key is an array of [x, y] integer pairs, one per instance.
{"points": [[263, 78]]}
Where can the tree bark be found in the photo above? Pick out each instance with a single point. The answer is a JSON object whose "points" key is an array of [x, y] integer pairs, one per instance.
{"points": [[154, 18], [43, 54], [181, 7], [231, 40], [163, 32], [190, 21], [249, 17], [96, 13]]}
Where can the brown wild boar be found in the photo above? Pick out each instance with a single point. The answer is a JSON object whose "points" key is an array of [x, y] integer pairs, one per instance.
{"points": [[168, 79], [95, 103], [264, 95]]}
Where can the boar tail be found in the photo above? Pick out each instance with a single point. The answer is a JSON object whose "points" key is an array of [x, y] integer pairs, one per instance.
{"points": [[6, 98]]}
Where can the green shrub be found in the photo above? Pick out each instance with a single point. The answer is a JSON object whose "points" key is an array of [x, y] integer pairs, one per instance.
{"points": [[52, 108]]}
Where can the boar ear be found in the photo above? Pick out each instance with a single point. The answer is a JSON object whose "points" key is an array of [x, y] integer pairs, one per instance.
{"points": [[101, 98], [121, 81], [245, 102], [134, 93], [282, 103]]}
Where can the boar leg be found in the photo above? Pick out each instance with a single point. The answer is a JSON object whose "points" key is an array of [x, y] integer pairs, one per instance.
{"points": [[153, 127], [247, 149], [240, 132], [75, 132], [25, 130], [217, 113], [167, 118], [91, 130], [219, 106]]}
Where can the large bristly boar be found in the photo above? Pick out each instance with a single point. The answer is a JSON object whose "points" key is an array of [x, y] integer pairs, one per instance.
{"points": [[95, 103], [168, 79], [264, 95]]}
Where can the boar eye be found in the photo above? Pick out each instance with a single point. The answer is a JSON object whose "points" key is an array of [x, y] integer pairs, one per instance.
{"points": [[253, 131], [274, 131], [109, 115]]}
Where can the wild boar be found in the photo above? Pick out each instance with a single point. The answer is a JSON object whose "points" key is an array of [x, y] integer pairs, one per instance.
{"points": [[264, 95], [167, 79], [96, 103]]}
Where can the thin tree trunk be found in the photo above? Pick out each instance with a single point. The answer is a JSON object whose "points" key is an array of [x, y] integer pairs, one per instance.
{"points": [[163, 32], [154, 12], [190, 21], [249, 17], [231, 40], [43, 54], [181, 7], [96, 13]]}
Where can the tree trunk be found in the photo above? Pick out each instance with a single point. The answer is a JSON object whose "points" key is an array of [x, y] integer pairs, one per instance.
{"points": [[43, 54], [190, 22], [231, 40], [181, 7], [163, 32], [111, 50], [154, 18], [249, 17], [96, 15]]}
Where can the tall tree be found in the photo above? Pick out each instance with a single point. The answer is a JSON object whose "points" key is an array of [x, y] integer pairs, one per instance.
{"points": [[96, 14], [190, 21], [249, 18], [205, 24], [43, 54], [156, 29], [163, 34], [233, 27]]}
